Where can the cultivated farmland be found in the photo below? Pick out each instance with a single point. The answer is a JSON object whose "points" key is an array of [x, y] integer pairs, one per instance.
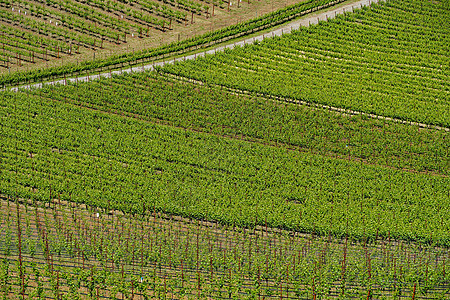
{"points": [[62, 37], [313, 165], [392, 58]]}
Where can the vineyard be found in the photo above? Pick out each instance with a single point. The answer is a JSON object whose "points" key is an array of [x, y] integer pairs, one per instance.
{"points": [[71, 144], [74, 253], [38, 32], [76, 154], [392, 60], [192, 43], [209, 179]]}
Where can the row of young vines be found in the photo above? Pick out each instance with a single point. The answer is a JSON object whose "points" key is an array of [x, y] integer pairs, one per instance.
{"points": [[65, 251]]}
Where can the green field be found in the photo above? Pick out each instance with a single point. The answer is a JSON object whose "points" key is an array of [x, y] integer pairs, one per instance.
{"points": [[208, 179], [156, 98], [77, 153], [392, 60]]}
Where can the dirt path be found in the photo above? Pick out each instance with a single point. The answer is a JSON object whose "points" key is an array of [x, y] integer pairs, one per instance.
{"points": [[284, 29]]}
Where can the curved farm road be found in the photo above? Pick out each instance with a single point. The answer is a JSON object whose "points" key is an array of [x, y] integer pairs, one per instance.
{"points": [[284, 29]]}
